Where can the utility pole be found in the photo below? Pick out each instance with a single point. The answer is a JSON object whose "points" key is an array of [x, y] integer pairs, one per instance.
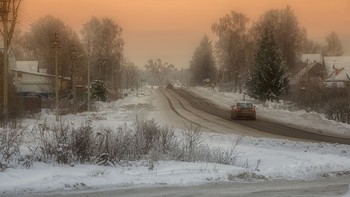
{"points": [[5, 4], [89, 89], [55, 44], [73, 54]]}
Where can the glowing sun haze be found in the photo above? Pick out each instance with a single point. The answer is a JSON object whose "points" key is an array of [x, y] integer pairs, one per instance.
{"points": [[172, 29]]}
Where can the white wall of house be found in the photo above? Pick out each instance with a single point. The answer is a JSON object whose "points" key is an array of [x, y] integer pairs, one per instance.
{"points": [[31, 82]]}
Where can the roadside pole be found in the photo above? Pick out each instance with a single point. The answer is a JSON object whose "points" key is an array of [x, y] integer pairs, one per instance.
{"points": [[55, 44]]}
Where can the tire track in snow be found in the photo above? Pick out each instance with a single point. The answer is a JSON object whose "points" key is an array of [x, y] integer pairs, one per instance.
{"points": [[261, 125], [177, 113]]}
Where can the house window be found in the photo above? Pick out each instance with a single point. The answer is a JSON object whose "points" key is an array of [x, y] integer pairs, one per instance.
{"points": [[19, 75]]}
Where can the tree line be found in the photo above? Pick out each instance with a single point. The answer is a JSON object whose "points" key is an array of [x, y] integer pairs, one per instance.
{"points": [[99, 46], [243, 49]]}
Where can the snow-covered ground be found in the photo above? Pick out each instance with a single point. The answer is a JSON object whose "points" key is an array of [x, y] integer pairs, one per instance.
{"points": [[258, 159]]}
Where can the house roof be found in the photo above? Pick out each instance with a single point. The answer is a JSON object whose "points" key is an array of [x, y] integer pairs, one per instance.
{"points": [[302, 72], [311, 58], [39, 74], [338, 68], [337, 62], [342, 76]]}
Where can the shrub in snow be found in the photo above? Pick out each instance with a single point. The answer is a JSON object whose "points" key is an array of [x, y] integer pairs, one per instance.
{"points": [[99, 90], [151, 138], [227, 157], [192, 139], [53, 144], [248, 176], [11, 138], [144, 140], [333, 102], [338, 109], [82, 142]]}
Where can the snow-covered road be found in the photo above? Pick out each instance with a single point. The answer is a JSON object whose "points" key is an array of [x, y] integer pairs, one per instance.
{"points": [[199, 107], [331, 187]]}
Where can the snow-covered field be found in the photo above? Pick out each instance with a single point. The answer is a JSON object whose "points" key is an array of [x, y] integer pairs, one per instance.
{"points": [[258, 159]]}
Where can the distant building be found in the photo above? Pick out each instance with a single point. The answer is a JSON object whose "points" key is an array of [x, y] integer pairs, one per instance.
{"points": [[311, 68], [331, 71], [311, 58], [338, 69], [29, 79]]}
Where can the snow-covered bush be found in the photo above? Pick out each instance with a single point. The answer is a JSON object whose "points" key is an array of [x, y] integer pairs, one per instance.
{"points": [[333, 102], [53, 143], [144, 140], [82, 142], [99, 90], [11, 138], [192, 139], [338, 109], [151, 138]]}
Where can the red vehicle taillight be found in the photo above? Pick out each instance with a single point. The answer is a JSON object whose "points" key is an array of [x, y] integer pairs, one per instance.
{"points": [[252, 109], [237, 109]]}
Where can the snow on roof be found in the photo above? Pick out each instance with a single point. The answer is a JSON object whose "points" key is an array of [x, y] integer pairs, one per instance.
{"points": [[311, 58], [337, 62], [39, 74], [302, 72], [342, 63], [342, 76]]}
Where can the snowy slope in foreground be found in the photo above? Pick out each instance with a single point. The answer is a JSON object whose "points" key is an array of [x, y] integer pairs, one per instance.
{"points": [[257, 159]]}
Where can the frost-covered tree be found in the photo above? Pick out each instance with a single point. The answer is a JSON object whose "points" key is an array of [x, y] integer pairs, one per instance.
{"points": [[287, 31], [234, 46], [103, 41], [130, 74], [334, 47], [37, 44], [202, 66], [159, 69], [99, 90], [268, 79]]}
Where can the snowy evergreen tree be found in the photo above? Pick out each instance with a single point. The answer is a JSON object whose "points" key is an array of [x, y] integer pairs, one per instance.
{"points": [[268, 79], [99, 90], [202, 66]]}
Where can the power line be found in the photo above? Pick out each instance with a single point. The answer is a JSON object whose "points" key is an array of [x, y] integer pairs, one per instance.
{"points": [[22, 17], [27, 16]]}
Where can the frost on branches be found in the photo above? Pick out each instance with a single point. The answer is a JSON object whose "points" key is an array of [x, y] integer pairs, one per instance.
{"points": [[268, 79]]}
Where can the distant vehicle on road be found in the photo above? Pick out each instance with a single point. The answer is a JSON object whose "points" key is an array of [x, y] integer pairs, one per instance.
{"points": [[243, 109], [170, 86]]}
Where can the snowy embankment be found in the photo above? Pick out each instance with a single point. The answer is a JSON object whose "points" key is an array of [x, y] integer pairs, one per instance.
{"points": [[256, 159]]}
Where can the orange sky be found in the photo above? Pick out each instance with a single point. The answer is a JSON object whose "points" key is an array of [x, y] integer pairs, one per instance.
{"points": [[172, 29]]}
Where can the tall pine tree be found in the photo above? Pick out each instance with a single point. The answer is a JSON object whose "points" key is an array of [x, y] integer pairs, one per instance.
{"points": [[268, 79], [202, 65]]}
